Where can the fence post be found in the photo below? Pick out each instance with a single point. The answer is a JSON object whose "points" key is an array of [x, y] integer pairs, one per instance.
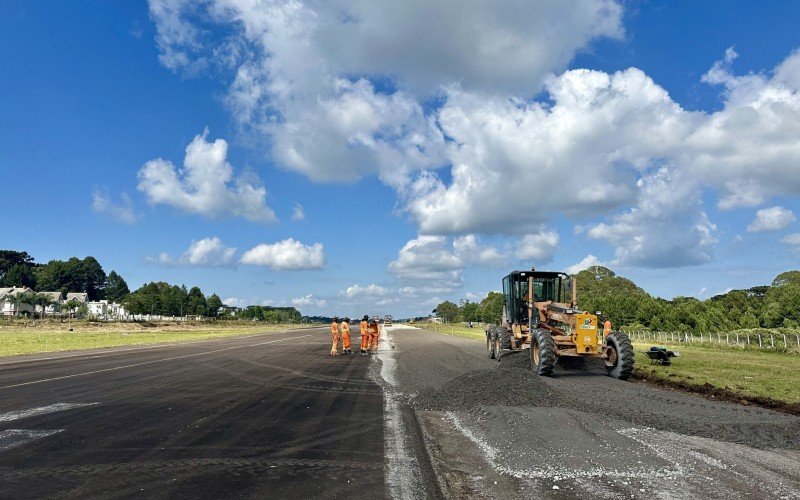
{"points": [[727, 338], [719, 340], [759, 340], [771, 341], [748, 338], [785, 345]]}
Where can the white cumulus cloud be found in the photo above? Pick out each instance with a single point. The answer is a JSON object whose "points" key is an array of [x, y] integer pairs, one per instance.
{"points": [[771, 219], [368, 291], [309, 300], [206, 184], [286, 255], [121, 211], [305, 72], [666, 228], [587, 262], [208, 252], [539, 247], [298, 214], [792, 240], [438, 260], [324, 86]]}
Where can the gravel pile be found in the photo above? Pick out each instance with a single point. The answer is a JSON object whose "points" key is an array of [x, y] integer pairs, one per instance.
{"points": [[508, 386]]}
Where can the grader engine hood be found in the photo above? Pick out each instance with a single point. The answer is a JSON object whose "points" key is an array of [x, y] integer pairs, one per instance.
{"points": [[584, 334]]}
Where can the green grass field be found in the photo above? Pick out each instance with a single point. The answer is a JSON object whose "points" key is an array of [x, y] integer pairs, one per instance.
{"points": [[20, 337], [454, 329], [747, 374]]}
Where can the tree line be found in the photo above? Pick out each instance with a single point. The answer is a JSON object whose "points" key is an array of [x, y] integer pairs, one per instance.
{"points": [[18, 269], [270, 314], [599, 289], [64, 276]]}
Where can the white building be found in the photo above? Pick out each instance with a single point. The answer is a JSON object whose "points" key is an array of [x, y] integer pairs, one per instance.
{"points": [[52, 309], [98, 309], [105, 309], [7, 308], [78, 297]]}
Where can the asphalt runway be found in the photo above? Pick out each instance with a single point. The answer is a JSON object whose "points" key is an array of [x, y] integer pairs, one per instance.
{"points": [[429, 416], [270, 415]]}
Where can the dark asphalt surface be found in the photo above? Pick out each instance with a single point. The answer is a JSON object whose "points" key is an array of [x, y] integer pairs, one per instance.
{"points": [[270, 415]]}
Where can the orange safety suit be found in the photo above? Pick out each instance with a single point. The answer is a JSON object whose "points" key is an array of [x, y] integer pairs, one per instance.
{"points": [[364, 336], [607, 328], [345, 336], [374, 332], [334, 338]]}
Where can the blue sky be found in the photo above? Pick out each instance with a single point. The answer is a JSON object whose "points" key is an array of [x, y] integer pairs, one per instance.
{"points": [[430, 153]]}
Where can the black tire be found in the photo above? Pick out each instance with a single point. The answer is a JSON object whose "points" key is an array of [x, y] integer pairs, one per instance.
{"points": [[542, 352], [498, 347], [505, 337], [489, 345], [621, 359]]}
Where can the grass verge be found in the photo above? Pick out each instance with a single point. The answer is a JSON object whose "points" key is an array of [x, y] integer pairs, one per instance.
{"points": [[764, 378], [23, 338], [768, 379], [457, 329]]}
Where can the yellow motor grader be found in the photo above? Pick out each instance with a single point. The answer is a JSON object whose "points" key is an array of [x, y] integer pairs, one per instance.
{"points": [[541, 313]]}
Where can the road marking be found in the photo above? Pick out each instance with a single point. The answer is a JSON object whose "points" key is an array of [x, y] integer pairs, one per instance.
{"points": [[41, 410], [150, 362], [12, 438]]}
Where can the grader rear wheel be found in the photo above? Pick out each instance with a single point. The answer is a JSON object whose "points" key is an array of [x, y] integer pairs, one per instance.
{"points": [[504, 334]]}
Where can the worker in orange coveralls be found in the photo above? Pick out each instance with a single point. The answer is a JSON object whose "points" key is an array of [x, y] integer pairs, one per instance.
{"points": [[374, 332], [335, 337], [346, 336], [364, 335], [607, 328]]}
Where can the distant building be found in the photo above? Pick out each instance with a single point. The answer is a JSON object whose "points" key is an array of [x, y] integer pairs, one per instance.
{"points": [[52, 309], [8, 308], [106, 310], [97, 309], [78, 296]]}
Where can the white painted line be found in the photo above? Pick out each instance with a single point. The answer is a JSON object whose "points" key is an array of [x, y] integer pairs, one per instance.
{"points": [[41, 410], [150, 362], [12, 438]]}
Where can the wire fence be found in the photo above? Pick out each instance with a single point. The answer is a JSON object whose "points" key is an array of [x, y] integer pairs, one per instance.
{"points": [[785, 342]]}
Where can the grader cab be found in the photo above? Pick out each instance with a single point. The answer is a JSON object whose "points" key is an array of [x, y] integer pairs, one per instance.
{"points": [[541, 313]]}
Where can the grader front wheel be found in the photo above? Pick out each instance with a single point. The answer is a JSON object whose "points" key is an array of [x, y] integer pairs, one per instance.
{"points": [[543, 352], [619, 356], [489, 346]]}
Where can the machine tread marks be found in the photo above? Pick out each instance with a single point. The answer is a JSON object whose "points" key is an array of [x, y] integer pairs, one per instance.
{"points": [[542, 344], [623, 368]]}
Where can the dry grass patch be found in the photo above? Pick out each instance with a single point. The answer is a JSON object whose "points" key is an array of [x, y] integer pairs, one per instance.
{"points": [[21, 337]]}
